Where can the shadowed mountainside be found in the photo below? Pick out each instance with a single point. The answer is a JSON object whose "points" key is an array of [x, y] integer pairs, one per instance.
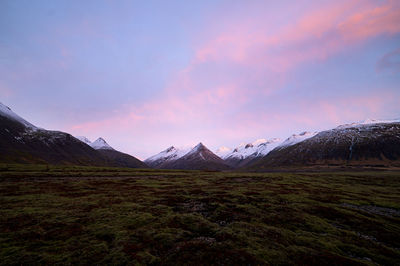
{"points": [[361, 145], [22, 142], [121, 159]]}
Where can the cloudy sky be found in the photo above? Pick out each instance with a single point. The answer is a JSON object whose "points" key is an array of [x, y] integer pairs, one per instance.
{"points": [[149, 74]]}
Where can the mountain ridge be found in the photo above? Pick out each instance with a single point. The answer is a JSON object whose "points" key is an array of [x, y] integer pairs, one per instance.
{"points": [[368, 144], [199, 158], [22, 142]]}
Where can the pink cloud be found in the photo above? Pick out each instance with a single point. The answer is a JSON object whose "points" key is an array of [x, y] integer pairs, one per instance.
{"points": [[372, 22], [314, 36], [241, 63]]}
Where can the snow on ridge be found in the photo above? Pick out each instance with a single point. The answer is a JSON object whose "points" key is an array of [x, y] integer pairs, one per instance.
{"points": [[84, 139], [196, 148], [170, 150], [170, 153], [7, 112], [368, 122], [100, 144], [296, 138], [259, 147]]}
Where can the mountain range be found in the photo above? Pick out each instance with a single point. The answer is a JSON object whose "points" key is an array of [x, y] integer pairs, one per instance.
{"points": [[367, 143], [22, 142], [245, 154]]}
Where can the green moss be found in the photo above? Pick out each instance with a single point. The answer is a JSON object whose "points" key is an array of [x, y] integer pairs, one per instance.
{"points": [[89, 215]]}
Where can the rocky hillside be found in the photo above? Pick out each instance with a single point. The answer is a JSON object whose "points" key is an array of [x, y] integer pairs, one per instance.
{"points": [[364, 144], [22, 142]]}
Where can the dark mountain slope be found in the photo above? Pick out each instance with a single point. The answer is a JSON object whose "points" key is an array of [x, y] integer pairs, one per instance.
{"points": [[359, 145], [22, 142], [121, 159]]}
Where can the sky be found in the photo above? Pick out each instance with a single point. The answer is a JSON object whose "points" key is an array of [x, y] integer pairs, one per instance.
{"points": [[145, 75]]}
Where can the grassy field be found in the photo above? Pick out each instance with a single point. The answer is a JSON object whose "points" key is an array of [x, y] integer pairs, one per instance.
{"points": [[86, 215]]}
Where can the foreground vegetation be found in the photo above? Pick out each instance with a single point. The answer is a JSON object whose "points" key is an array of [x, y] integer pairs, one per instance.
{"points": [[86, 215]]}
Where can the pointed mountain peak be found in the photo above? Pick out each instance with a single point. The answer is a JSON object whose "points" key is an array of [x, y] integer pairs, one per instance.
{"points": [[100, 143], [169, 154], [200, 157], [200, 145], [200, 149]]}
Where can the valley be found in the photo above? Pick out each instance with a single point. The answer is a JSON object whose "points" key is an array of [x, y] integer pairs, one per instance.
{"points": [[69, 215]]}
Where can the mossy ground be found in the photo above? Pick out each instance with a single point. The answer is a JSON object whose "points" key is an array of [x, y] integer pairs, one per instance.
{"points": [[87, 215]]}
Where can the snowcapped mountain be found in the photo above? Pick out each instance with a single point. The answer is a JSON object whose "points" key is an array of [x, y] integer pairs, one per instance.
{"points": [[100, 144], [370, 143], [296, 138], [198, 158], [22, 142], [168, 155], [84, 139], [246, 153], [366, 143], [368, 122]]}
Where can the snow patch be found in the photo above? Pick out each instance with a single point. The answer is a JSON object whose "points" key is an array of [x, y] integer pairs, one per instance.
{"points": [[169, 154], [368, 122], [202, 157], [100, 144], [260, 147], [84, 139], [294, 139]]}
